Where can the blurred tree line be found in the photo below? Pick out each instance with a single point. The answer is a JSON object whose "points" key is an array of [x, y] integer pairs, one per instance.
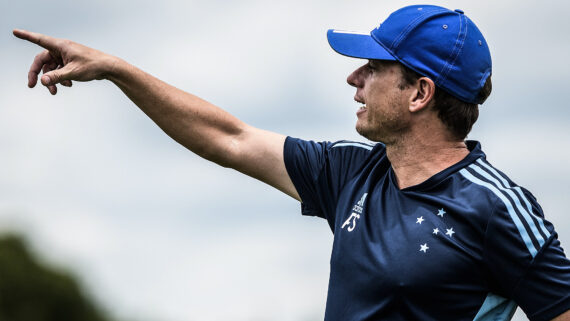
{"points": [[32, 291]]}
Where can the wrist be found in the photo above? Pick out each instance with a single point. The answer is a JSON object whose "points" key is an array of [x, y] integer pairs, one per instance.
{"points": [[114, 68]]}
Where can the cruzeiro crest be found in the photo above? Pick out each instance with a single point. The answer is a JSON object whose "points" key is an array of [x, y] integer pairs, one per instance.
{"points": [[350, 223]]}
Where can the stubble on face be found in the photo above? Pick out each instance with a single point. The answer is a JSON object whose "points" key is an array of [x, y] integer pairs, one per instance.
{"points": [[382, 125], [386, 116]]}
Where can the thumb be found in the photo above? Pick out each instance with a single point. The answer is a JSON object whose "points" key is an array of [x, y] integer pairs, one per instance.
{"points": [[54, 77]]}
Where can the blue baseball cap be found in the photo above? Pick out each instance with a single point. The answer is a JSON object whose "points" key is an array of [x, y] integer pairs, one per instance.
{"points": [[435, 42]]}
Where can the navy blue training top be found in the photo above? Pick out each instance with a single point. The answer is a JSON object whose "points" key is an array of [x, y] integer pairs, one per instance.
{"points": [[466, 244]]}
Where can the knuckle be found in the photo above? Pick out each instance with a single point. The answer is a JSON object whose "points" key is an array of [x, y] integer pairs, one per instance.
{"points": [[66, 42], [42, 56]]}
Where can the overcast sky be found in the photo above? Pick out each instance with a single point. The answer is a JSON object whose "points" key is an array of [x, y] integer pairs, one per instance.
{"points": [[157, 233]]}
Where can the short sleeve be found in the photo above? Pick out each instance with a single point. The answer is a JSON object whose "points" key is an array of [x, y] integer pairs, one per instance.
{"points": [[525, 261], [319, 171]]}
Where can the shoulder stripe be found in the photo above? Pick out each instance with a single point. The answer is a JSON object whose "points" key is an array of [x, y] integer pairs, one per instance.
{"points": [[361, 145], [520, 193], [519, 225], [496, 308], [517, 204]]}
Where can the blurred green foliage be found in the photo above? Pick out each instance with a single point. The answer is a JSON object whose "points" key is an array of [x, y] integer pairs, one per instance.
{"points": [[32, 291]]}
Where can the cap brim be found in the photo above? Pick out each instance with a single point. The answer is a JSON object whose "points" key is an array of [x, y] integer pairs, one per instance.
{"points": [[357, 45]]}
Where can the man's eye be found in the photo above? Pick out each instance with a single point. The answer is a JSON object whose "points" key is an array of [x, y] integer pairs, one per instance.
{"points": [[372, 66]]}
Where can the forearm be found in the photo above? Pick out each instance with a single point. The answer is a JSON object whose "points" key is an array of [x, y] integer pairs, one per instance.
{"points": [[195, 123]]}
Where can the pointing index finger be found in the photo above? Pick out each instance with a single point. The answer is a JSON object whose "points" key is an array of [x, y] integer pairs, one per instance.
{"points": [[39, 39]]}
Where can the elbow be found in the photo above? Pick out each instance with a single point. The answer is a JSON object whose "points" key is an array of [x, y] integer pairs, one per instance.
{"points": [[225, 152]]}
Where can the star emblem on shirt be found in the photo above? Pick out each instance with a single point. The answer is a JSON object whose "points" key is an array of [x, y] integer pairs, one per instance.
{"points": [[436, 231]]}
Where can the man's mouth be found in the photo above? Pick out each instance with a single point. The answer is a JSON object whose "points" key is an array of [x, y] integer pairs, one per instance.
{"points": [[360, 101]]}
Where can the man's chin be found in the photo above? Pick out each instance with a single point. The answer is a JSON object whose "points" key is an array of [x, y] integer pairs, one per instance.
{"points": [[364, 132], [369, 133]]}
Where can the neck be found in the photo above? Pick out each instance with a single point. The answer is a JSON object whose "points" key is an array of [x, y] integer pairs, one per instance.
{"points": [[416, 158]]}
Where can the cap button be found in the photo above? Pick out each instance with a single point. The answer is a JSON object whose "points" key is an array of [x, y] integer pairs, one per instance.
{"points": [[459, 11]]}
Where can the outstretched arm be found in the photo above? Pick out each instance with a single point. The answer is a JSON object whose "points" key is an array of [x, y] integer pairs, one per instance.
{"points": [[203, 128]]}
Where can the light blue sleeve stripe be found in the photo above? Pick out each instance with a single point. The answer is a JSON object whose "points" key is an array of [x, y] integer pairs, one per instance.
{"points": [[520, 192], [518, 204], [494, 171], [529, 207], [361, 145], [496, 308], [510, 209]]}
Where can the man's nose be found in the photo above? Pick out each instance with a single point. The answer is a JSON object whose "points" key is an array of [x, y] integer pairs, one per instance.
{"points": [[356, 78]]}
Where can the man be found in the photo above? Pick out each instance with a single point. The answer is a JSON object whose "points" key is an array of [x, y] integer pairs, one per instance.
{"points": [[424, 227]]}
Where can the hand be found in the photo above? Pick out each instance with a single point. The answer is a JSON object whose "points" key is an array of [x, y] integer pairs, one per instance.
{"points": [[64, 61]]}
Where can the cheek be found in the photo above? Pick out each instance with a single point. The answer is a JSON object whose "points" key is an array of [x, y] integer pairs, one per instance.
{"points": [[390, 111]]}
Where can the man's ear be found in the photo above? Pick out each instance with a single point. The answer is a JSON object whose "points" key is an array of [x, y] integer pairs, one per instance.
{"points": [[423, 94]]}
